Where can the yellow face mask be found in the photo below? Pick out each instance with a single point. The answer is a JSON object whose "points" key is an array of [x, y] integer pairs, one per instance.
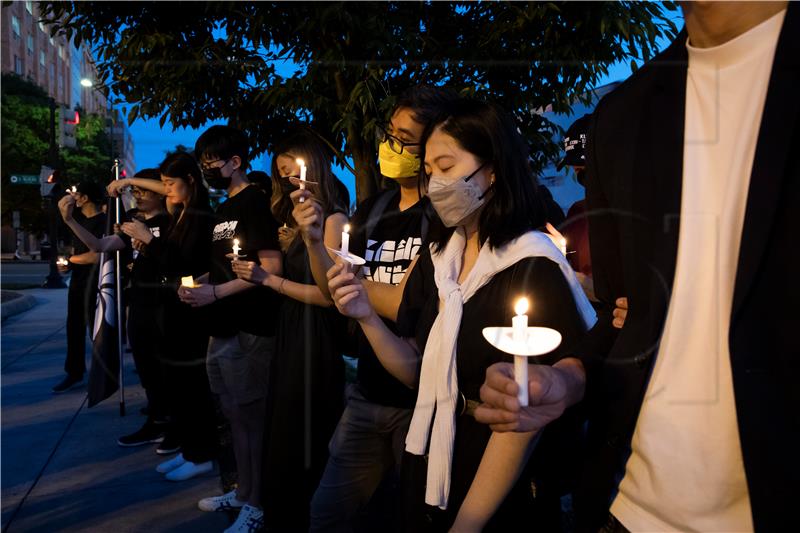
{"points": [[394, 165]]}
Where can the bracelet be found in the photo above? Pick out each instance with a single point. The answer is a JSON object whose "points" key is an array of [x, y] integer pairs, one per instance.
{"points": [[214, 290], [280, 287]]}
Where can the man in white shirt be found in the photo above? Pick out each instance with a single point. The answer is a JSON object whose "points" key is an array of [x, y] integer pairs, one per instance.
{"points": [[691, 192]]}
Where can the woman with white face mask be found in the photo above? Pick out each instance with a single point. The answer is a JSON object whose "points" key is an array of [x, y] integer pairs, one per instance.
{"points": [[484, 254]]}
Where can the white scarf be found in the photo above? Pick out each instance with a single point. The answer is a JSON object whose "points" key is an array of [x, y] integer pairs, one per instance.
{"points": [[438, 385]]}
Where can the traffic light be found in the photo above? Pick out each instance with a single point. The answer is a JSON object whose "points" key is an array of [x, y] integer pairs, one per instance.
{"points": [[69, 120], [49, 178]]}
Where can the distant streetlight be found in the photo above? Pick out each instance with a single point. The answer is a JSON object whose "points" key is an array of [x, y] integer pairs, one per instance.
{"points": [[86, 82]]}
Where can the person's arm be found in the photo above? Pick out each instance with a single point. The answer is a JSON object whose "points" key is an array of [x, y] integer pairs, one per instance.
{"points": [[96, 244], [308, 215], [86, 258], [269, 260], [116, 186], [385, 297], [503, 460], [399, 356]]}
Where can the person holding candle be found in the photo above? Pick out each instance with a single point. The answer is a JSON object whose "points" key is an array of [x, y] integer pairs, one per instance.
{"points": [[142, 297], [308, 376], [243, 317], [484, 254], [182, 336], [82, 295], [387, 230]]}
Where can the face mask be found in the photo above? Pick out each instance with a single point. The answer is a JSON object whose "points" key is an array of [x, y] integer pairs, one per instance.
{"points": [[215, 179], [394, 165], [454, 201]]}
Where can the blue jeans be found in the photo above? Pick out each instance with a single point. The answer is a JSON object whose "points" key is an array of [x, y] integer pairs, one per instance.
{"points": [[368, 442]]}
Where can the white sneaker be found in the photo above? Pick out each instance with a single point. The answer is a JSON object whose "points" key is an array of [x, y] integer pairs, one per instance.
{"points": [[189, 470], [226, 502], [250, 520], [171, 464]]}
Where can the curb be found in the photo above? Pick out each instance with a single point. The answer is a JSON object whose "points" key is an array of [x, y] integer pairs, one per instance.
{"points": [[17, 305]]}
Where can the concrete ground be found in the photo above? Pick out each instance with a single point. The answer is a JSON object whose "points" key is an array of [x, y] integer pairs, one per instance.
{"points": [[61, 467]]}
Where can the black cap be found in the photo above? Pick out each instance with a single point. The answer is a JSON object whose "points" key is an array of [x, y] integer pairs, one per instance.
{"points": [[575, 143], [93, 190]]}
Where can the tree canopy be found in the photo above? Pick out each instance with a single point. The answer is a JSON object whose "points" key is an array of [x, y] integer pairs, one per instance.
{"points": [[339, 66]]}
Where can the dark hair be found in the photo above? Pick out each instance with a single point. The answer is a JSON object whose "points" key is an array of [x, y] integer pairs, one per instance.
{"points": [[223, 142], [183, 166], [491, 135], [425, 102], [148, 174], [305, 144], [93, 190]]}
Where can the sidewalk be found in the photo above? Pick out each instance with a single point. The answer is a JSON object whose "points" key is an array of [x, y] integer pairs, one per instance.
{"points": [[61, 467]]}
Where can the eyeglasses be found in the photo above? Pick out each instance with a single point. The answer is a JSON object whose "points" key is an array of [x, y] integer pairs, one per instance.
{"points": [[138, 193], [207, 164], [382, 135]]}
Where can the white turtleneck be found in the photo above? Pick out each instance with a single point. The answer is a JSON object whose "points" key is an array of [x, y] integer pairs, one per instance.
{"points": [[685, 472]]}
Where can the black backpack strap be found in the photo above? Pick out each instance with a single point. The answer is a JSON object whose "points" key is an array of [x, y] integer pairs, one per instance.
{"points": [[377, 210]]}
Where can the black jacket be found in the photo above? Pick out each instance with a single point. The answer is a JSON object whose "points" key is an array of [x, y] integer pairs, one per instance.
{"points": [[634, 173]]}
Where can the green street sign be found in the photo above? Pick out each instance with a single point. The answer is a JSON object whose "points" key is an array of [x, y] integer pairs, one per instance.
{"points": [[24, 179]]}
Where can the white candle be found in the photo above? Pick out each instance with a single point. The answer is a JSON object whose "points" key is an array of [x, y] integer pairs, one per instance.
{"points": [[236, 247], [519, 326], [346, 240], [74, 189], [187, 281], [303, 171]]}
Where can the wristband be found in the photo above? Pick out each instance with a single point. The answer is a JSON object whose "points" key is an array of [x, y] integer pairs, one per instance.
{"points": [[280, 287], [214, 290]]}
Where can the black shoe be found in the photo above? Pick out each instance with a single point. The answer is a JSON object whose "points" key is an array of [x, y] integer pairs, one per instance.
{"points": [[169, 445], [149, 433], [67, 383]]}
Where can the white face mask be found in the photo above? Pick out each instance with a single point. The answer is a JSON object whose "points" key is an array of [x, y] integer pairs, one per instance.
{"points": [[454, 201]]}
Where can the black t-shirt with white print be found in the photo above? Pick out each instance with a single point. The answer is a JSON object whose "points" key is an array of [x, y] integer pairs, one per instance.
{"points": [[394, 243], [245, 216], [145, 274]]}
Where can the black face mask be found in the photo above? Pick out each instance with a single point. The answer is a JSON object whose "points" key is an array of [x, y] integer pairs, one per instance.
{"points": [[215, 179]]}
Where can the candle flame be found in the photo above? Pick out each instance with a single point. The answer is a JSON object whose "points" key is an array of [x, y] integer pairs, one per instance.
{"points": [[236, 242], [521, 307], [347, 228], [74, 189], [300, 161]]}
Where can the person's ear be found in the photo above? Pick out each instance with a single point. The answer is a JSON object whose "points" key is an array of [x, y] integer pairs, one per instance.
{"points": [[236, 162]]}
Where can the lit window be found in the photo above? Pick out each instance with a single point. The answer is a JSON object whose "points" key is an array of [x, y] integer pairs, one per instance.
{"points": [[61, 52], [29, 6], [15, 26], [42, 57], [29, 41]]}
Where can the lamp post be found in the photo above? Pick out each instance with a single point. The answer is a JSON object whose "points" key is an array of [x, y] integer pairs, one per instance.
{"points": [[53, 280]]}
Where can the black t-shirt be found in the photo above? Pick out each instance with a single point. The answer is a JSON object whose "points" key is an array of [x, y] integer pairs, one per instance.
{"points": [[145, 275], [96, 225], [541, 281], [394, 243], [245, 216]]}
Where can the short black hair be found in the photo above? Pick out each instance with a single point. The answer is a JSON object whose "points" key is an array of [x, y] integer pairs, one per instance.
{"points": [[425, 102], [93, 190], [490, 134], [223, 142]]}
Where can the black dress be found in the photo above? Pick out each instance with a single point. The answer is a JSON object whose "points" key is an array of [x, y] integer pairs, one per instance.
{"points": [[307, 398], [534, 499], [183, 336]]}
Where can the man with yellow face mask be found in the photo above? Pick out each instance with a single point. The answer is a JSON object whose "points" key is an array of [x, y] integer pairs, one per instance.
{"points": [[388, 231]]}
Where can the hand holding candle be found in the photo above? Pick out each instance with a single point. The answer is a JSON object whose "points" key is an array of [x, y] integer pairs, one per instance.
{"points": [[346, 240], [519, 325]]}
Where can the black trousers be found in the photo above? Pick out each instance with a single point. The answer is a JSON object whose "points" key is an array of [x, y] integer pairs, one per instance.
{"points": [[182, 345], [81, 303], [143, 334]]}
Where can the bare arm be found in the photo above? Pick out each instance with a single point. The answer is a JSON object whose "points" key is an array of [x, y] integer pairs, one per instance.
{"points": [[400, 357], [105, 244], [503, 460], [386, 298], [115, 186], [86, 258]]}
